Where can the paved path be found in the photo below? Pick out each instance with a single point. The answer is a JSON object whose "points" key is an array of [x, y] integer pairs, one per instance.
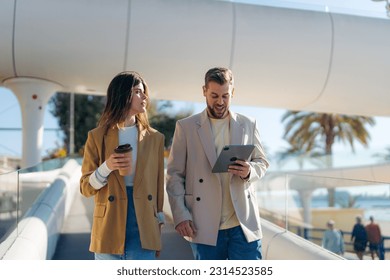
{"points": [[74, 240]]}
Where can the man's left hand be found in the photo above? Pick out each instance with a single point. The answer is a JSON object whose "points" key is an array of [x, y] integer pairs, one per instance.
{"points": [[240, 168]]}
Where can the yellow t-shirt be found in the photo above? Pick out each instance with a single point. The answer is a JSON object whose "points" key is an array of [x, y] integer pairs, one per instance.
{"points": [[221, 132]]}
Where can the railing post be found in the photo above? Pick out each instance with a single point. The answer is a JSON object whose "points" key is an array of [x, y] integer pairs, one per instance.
{"points": [[299, 231], [306, 233], [381, 249]]}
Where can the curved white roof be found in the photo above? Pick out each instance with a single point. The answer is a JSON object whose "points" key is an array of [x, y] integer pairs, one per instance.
{"points": [[282, 57]]}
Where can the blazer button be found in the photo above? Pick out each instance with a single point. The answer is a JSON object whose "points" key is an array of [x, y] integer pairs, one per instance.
{"points": [[198, 198], [150, 197], [200, 180], [249, 196], [111, 198]]}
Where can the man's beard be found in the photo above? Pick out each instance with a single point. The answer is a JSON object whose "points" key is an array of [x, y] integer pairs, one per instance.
{"points": [[215, 114]]}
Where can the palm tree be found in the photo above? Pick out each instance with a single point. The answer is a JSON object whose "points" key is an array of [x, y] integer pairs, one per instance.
{"points": [[299, 156], [384, 156], [304, 130]]}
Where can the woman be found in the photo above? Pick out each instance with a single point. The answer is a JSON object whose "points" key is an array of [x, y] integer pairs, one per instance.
{"points": [[128, 209]]}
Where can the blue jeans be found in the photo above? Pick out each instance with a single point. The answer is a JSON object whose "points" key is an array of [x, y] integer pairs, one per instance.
{"points": [[133, 248], [231, 244]]}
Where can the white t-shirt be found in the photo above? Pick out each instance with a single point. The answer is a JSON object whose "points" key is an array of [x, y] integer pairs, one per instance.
{"points": [[221, 132]]}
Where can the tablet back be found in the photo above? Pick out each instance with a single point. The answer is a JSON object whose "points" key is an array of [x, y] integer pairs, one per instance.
{"points": [[231, 153]]}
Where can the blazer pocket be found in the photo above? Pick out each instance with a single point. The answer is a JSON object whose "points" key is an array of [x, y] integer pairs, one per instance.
{"points": [[100, 211]]}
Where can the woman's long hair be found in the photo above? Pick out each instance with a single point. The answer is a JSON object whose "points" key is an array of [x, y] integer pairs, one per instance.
{"points": [[119, 97]]}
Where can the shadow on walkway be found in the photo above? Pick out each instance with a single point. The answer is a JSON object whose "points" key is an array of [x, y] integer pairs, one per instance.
{"points": [[73, 243], [73, 246]]}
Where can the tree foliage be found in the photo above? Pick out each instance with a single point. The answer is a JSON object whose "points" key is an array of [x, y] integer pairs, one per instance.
{"points": [[308, 132], [385, 156], [314, 134], [162, 118], [87, 112]]}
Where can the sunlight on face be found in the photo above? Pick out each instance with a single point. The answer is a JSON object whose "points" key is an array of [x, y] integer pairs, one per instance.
{"points": [[218, 99], [138, 100]]}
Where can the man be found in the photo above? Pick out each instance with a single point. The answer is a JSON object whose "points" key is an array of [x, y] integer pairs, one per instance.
{"points": [[216, 212], [359, 238], [374, 237], [333, 239]]}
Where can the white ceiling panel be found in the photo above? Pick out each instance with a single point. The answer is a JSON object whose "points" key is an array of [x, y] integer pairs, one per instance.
{"points": [[173, 43], [359, 77], [281, 56], [6, 27], [78, 43]]}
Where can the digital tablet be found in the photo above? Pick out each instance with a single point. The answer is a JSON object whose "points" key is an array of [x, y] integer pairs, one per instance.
{"points": [[230, 154]]}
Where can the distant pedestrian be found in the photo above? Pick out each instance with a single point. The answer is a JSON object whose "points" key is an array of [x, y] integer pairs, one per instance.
{"points": [[333, 239], [359, 238], [374, 237]]}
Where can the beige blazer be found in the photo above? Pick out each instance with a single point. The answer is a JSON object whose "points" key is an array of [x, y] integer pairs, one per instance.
{"points": [[195, 193], [110, 211]]}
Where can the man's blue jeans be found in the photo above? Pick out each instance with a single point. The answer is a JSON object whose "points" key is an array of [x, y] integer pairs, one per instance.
{"points": [[133, 249], [231, 244]]}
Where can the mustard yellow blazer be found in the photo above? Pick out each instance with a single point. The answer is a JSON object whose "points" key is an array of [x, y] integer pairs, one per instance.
{"points": [[110, 211]]}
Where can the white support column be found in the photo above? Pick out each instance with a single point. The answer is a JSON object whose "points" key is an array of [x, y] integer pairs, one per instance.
{"points": [[33, 95], [305, 196]]}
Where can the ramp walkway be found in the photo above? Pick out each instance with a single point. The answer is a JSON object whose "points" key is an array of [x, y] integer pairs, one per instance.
{"points": [[74, 240]]}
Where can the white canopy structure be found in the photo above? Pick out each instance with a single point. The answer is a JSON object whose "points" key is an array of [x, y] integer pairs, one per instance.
{"points": [[282, 57]]}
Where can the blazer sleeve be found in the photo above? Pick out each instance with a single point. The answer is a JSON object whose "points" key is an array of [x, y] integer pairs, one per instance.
{"points": [[259, 163], [176, 171], [90, 164]]}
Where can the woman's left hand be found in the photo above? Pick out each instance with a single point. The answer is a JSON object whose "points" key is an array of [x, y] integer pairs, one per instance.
{"points": [[159, 226]]}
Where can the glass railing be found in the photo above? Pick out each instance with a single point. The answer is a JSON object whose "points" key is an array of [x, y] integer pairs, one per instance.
{"points": [[9, 203], [19, 190], [295, 201], [299, 203]]}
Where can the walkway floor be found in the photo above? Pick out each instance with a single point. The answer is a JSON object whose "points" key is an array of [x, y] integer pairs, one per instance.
{"points": [[74, 240]]}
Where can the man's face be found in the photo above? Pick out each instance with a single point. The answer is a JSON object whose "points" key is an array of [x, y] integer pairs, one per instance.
{"points": [[218, 99]]}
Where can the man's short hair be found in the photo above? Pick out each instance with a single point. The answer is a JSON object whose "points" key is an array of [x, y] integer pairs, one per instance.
{"points": [[219, 75]]}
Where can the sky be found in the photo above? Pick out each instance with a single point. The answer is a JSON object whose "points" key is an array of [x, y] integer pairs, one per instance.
{"points": [[370, 8]]}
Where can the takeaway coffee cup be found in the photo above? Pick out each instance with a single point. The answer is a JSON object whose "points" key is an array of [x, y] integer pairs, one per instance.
{"points": [[125, 149]]}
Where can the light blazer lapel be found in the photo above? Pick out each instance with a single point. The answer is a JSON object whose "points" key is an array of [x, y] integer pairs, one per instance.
{"points": [[142, 149], [206, 138], [236, 130]]}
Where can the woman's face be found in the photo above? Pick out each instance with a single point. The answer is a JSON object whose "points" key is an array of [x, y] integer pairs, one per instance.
{"points": [[139, 100]]}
